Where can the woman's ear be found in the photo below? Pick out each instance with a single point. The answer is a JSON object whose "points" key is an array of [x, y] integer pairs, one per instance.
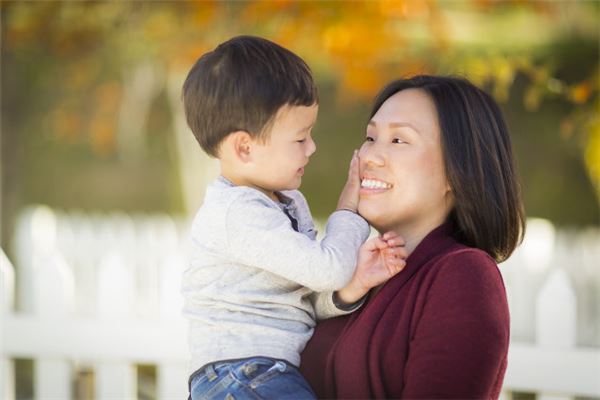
{"points": [[241, 142], [449, 196]]}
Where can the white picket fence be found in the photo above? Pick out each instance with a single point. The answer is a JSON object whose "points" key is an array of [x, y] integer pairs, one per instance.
{"points": [[103, 291]]}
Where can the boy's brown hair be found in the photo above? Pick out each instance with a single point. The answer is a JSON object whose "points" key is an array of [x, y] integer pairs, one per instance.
{"points": [[240, 86]]}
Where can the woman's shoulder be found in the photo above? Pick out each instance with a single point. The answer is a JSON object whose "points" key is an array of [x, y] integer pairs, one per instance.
{"points": [[462, 262], [463, 254], [468, 281]]}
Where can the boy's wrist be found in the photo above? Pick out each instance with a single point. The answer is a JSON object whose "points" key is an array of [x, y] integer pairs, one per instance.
{"points": [[348, 307], [350, 294], [347, 209]]}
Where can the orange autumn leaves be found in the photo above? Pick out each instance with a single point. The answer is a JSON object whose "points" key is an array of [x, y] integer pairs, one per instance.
{"points": [[91, 47]]}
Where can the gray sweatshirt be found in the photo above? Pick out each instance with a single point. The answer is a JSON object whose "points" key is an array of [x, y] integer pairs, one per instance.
{"points": [[257, 280]]}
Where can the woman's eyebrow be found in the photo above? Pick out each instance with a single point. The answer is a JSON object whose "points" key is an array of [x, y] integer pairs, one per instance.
{"points": [[403, 125], [396, 125]]}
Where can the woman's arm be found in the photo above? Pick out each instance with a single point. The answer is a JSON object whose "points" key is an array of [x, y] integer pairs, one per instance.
{"points": [[459, 346]]}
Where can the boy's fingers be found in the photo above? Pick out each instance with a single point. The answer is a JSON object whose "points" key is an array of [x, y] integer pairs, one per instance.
{"points": [[349, 197], [397, 241], [375, 244], [389, 235], [381, 244], [353, 171], [399, 252], [395, 266], [399, 265], [393, 239]]}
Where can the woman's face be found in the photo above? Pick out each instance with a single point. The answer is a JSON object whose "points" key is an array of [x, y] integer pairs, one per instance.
{"points": [[403, 183]]}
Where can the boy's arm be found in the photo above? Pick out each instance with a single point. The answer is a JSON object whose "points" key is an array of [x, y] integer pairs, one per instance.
{"points": [[328, 305], [261, 236], [379, 259]]}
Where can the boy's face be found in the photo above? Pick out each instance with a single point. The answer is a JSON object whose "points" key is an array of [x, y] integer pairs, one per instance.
{"points": [[279, 163]]}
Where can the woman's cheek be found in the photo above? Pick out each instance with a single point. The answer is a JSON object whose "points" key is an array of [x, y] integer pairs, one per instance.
{"points": [[361, 154]]}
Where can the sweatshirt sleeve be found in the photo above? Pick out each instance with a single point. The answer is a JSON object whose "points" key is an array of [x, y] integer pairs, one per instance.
{"points": [[460, 343], [326, 308], [261, 236]]}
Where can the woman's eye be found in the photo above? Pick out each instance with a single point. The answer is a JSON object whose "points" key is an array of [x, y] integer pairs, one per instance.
{"points": [[396, 140], [369, 139], [301, 140]]}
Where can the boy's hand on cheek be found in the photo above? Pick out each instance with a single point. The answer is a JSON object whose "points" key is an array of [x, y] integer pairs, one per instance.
{"points": [[351, 192], [379, 259]]}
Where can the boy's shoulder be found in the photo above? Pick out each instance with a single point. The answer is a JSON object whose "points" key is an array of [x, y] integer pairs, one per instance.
{"points": [[223, 203], [221, 197]]}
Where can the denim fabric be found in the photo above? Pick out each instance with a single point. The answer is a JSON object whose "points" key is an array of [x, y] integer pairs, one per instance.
{"points": [[251, 378]]}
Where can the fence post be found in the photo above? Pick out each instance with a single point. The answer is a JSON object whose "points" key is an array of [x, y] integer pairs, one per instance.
{"points": [[172, 381], [556, 319], [172, 376], [115, 379], [171, 300], [7, 292], [525, 272], [53, 290], [116, 288]]}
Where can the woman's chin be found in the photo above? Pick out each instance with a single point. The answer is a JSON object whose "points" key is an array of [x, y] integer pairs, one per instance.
{"points": [[372, 215]]}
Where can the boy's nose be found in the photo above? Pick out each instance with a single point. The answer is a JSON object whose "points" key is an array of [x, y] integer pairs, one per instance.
{"points": [[311, 147]]}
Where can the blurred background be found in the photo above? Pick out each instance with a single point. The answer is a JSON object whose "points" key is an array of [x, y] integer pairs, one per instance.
{"points": [[97, 165]]}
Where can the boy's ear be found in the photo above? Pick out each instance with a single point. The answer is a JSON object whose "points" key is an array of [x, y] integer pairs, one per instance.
{"points": [[242, 144]]}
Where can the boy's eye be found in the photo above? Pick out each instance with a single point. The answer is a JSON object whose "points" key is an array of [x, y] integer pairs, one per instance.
{"points": [[301, 140], [369, 139], [396, 140]]}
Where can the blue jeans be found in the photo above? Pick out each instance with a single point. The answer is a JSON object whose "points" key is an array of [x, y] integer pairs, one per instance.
{"points": [[250, 378]]}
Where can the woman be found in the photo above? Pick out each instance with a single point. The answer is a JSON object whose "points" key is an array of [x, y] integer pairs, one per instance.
{"points": [[437, 168]]}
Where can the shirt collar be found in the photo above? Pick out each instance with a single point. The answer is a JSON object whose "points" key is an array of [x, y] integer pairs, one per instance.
{"points": [[283, 199]]}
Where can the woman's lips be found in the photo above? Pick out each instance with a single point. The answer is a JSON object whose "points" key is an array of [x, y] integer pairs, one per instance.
{"points": [[365, 191], [374, 186]]}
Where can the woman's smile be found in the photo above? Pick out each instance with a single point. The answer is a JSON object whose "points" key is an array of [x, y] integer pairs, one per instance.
{"points": [[374, 186]]}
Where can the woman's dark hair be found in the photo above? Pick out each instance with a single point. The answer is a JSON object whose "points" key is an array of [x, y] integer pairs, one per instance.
{"points": [[478, 159], [241, 85]]}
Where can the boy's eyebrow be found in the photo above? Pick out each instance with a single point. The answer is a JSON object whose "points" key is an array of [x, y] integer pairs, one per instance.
{"points": [[307, 128]]}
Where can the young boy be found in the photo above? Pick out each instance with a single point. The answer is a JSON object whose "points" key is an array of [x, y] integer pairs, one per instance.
{"points": [[257, 279]]}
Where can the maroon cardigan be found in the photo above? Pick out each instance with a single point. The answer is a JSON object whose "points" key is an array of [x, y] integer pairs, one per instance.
{"points": [[438, 329]]}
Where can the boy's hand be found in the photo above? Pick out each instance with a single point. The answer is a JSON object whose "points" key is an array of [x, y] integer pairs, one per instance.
{"points": [[379, 259], [350, 194]]}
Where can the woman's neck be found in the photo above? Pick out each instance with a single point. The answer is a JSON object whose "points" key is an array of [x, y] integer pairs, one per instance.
{"points": [[412, 238], [413, 234]]}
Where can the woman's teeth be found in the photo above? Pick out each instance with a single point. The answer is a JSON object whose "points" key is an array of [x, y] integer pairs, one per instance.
{"points": [[373, 184]]}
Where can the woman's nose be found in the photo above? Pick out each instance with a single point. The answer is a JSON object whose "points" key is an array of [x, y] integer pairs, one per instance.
{"points": [[369, 154]]}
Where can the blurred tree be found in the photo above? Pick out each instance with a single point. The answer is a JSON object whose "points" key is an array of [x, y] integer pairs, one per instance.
{"points": [[96, 85]]}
